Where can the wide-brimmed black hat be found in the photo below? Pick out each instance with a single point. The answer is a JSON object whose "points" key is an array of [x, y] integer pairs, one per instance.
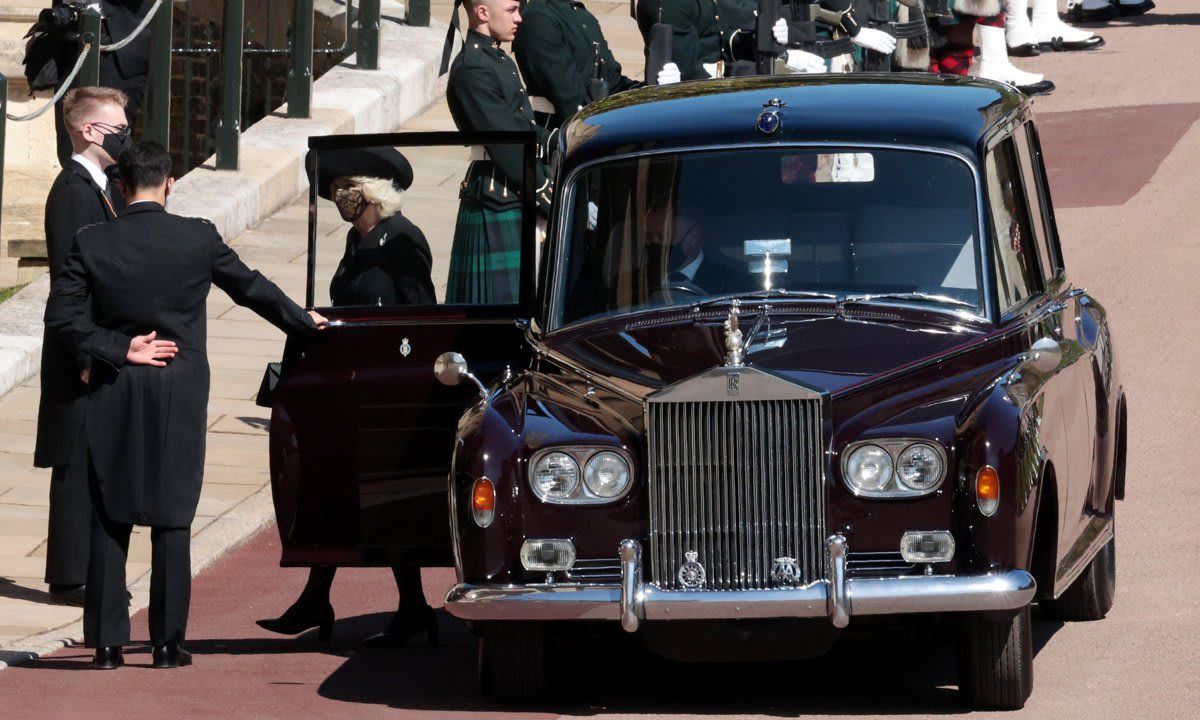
{"points": [[385, 163]]}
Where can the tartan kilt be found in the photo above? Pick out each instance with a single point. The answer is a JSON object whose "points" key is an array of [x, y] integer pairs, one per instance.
{"points": [[485, 259]]}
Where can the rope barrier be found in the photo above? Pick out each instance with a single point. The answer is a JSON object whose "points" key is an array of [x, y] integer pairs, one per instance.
{"points": [[113, 47], [62, 89]]}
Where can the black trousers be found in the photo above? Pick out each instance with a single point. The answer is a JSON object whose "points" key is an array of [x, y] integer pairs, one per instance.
{"points": [[70, 521], [106, 606]]}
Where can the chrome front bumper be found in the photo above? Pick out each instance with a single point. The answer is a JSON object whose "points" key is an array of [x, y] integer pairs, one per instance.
{"points": [[838, 598]]}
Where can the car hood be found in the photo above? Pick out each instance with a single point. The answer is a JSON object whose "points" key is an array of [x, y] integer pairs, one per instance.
{"points": [[828, 352]]}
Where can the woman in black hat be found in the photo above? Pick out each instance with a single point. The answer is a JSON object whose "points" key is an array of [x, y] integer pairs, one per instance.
{"points": [[387, 262]]}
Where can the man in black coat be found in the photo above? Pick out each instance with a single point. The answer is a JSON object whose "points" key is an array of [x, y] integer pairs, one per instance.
{"points": [[81, 195], [126, 69], [147, 275]]}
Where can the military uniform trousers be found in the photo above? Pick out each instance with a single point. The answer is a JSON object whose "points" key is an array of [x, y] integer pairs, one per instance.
{"points": [[106, 604]]}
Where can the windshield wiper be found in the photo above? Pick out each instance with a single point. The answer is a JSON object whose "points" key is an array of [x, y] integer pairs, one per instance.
{"points": [[776, 293], [917, 296]]}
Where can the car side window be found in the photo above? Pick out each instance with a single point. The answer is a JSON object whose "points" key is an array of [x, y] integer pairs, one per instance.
{"points": [[1035, 192], [1037, 160], [1018, 274]]}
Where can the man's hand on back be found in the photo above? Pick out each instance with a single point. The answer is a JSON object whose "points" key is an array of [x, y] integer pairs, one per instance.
{"points": [[146, 350]]}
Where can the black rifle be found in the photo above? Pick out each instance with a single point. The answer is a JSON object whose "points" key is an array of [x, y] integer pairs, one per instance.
{"points": [[766, 50], [658, 53], [597, 88]]}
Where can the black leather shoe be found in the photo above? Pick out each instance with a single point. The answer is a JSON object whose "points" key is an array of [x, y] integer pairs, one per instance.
{"points": [[1026, 50], [297, 619], [404, 627], [1103, 14], [171, 655], [1044, 87], [68, 594], [1060, 45], [1139, 9], [109, 657]]}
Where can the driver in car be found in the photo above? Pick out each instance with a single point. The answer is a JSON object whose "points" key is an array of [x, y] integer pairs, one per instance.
{"points": [[675, 243]]}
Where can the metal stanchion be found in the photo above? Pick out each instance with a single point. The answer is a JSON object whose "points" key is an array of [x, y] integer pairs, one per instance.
{"points": [[158, 87], [89, 75], [299, 85], [229, 126], [368, 35]]}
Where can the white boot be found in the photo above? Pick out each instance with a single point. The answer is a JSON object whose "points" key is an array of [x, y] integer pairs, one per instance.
{"points": [[1054, 33], [993, 63], [1018, 31]]}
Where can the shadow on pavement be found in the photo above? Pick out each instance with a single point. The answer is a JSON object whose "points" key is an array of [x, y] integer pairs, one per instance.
{"points": [[10, 589], [897, 671]]}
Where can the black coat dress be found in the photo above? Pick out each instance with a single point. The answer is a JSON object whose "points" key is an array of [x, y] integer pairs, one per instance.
{"points": [[390, 266], [149, 270], [75, 201]]}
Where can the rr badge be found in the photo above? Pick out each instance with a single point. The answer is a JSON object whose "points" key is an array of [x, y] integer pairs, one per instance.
{"points": [[785, 572], [691, 574], [405, 348]]}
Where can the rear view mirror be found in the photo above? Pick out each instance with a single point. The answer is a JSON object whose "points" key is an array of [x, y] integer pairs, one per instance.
{"points": [[450, 368]]}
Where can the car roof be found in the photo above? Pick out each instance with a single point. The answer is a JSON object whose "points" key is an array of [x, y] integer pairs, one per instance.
{"points": [[920, 109]]}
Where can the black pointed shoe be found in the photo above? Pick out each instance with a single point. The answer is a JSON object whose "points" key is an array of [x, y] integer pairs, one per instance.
{"points": [[171, 655], [1100, 14], [403, 628], [299, 618], [1060, 45], [108, 657]]}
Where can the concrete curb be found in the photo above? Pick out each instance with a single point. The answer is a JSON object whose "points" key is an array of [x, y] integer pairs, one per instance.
{"points": [[21, 334], [229, 531]]}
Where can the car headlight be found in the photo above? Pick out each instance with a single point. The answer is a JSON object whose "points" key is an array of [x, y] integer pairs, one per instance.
{"points": [[555, 477], [893, 467], [606, 475], [869, 469], [919, 467]]}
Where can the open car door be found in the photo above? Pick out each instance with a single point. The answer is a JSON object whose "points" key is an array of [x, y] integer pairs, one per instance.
{"points": [[361, 430]]}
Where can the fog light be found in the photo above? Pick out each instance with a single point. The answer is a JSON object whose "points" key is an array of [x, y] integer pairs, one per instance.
{"points": [[987, 490], [927, 547], [483, 502], [548, 555]]}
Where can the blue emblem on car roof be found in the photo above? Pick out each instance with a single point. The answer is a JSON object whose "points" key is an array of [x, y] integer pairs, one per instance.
{"points": [[769, 122]]}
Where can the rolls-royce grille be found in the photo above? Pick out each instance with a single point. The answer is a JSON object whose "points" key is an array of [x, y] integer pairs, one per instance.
{"points": [[737, 483]]}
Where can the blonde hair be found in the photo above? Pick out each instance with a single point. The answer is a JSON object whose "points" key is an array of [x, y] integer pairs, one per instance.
{"points": [[382, 192], [81, 102]]}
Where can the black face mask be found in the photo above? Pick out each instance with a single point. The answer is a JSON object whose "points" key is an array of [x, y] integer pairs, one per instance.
{"points": [[115, 143]]}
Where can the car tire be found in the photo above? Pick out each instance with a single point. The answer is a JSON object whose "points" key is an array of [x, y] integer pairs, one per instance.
{"points": [[995, 661], [512, 665], [1091, 596]]}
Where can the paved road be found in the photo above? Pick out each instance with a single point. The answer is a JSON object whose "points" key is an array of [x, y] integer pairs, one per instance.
{"points": [[1124, 147]]}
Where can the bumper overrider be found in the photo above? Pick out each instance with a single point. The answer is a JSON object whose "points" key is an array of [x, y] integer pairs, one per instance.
{"points": [[837, 598]]}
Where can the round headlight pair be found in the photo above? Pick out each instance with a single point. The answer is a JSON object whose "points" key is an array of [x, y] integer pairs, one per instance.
{"points": [[555, 476], [894, 468]]}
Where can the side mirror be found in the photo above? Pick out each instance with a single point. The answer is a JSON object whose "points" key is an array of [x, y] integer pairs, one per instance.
{"points": [[450, 368], [1045, 355]]}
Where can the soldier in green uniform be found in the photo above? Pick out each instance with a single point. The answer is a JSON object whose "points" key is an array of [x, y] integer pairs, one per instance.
{"points": [[485, 93], [697, 38], [565, 59]]}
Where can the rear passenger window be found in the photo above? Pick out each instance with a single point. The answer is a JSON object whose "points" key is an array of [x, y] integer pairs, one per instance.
{"points": [[1017, 271]]}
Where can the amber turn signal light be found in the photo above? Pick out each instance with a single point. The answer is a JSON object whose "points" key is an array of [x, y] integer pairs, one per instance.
{"points": [[987, 490], [483, 502]]}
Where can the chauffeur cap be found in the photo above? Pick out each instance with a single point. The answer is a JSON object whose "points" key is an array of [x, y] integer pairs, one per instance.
{"points": [[385, 163]]}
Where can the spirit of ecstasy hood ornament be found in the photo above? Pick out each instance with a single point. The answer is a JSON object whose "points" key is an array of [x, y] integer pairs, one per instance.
{"points": [[733, 337]]}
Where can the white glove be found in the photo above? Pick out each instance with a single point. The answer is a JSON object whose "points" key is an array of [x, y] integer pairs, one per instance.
{"points": [[805, 62], [669, 74], [780, 31], [593, 215], [876, 40]]}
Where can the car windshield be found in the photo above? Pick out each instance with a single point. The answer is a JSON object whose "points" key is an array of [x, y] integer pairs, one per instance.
{"points": [[830, 225]]}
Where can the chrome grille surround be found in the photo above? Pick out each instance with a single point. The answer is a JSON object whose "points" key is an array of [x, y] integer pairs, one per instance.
{"points": [[736, 474]]}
